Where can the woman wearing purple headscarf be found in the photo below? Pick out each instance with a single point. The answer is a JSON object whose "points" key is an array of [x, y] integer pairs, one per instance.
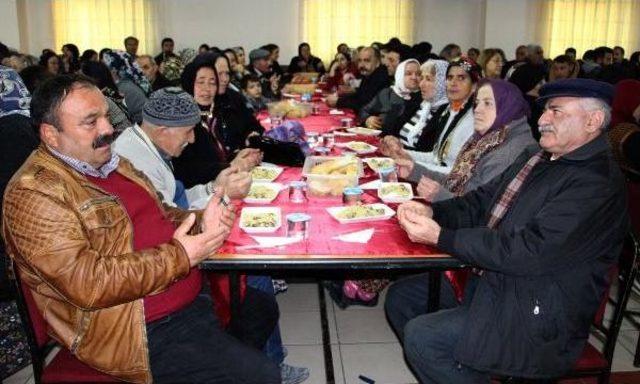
{"points": [[501, 134]]}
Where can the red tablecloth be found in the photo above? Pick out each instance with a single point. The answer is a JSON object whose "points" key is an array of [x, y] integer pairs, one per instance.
{"points": [[321, 123], [389, 240]]}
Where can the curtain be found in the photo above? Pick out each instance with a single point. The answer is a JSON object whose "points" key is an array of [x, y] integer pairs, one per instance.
{"points": [[327, 23], [97, 24], [587, 24]]}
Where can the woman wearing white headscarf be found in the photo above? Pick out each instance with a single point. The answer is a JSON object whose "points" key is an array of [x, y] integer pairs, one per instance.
{"points": [[433, 88], [390, 103]]}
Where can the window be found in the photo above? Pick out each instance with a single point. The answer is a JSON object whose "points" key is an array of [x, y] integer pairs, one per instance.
{"points": [[587, 24], [96, 24], [327, 23]]}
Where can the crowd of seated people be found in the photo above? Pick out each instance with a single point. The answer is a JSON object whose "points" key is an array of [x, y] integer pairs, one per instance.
{"points": [[167, 133]]}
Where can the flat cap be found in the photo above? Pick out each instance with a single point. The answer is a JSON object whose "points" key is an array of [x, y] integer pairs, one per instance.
{"points": [[259, 53], [576, 88]]}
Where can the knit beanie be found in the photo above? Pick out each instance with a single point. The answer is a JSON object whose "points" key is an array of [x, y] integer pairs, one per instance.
{"points": [[171, 107]]}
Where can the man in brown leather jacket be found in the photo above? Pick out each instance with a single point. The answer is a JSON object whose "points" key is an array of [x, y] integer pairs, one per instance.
{"points": [[112, 269]]}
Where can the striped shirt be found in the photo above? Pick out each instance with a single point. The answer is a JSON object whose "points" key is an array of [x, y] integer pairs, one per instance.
{"points": [[86, 168]]}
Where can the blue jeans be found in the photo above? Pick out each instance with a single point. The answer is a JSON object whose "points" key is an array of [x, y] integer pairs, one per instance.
{"points": [[189, 346], [430, 339], [273, 348]]}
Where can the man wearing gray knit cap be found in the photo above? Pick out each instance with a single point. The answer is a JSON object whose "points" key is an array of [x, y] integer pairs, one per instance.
{"points": [[168, 119]]}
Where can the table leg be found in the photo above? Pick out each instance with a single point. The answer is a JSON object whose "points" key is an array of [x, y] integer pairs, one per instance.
{"points": [[234, 301], [326, 337], [434, 291]]}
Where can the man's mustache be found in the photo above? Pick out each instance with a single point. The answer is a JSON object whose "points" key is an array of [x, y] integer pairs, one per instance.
{"points": [[102, 140]]}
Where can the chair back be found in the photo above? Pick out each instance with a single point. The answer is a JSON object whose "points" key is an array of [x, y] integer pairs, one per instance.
{"points": [[34, 323], [627, 271]]}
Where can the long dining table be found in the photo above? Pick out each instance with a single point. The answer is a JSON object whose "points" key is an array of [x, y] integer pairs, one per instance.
{"points": [[389, 248]]}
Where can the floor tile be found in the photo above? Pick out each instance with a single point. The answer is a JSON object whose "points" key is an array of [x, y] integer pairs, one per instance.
{"points": [[301, 328], [383, 363], [20, 377], [299, 297], [363, 327], [628, 340], [622, 360], [312, 357]]}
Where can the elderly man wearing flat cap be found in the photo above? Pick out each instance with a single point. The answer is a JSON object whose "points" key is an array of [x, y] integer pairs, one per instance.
{"points": [[168, 118], [260, 65], [542, 236]]}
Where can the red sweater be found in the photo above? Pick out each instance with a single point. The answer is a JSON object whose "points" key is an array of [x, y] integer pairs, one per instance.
{"points": [[151, 228]]}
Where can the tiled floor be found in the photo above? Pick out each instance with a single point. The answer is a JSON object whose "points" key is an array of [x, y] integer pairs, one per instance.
{"points": [[362, 342]]}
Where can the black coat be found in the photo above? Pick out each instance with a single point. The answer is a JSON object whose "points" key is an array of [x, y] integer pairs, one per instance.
{"points": [[394, 126], [299, 64], [546, 265], [369, 88], [18, 140], [234, 120], [388, 106]]}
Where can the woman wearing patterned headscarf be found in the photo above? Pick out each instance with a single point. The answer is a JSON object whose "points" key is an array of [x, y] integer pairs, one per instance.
{"points": [[449, 128], [501, 133], [405, 131], [390, 103], [17, 136], [130, 81]]}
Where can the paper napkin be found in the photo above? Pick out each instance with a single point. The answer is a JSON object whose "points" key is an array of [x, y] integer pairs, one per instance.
{"points": [[356, 237]]}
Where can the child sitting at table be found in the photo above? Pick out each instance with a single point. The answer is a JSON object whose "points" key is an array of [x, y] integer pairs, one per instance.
{"points": [[252, 92]]}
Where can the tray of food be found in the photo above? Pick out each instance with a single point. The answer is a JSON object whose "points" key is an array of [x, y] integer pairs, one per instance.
{"points": [[361, 213], [395, 192], [290, 108], [263, 173], [263, 192], [378, 163], [359, 147], [260, 219], [364, 131], [330, 175]]}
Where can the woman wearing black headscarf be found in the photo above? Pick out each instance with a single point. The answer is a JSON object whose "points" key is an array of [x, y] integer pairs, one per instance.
{"points": [[70, 58], [305, 61], [203, 160], [234, 120]]}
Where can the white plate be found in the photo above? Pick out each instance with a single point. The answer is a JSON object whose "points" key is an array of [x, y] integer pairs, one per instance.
{"points": [[274, 173], [371, 162], [343, 134], [388, 213], [246, 211], [275, 187], [364, 131], [364, 151], [395, 197]]}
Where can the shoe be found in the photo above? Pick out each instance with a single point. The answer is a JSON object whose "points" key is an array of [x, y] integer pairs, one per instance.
{"points": [[342, 301], [279, 286], [293, 375]]}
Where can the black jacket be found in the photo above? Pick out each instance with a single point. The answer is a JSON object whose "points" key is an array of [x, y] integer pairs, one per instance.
{"points": [[546, 265], [368, 89], [18, 140], [388, 105], [394, 126], [234, 120], [200, 161]]}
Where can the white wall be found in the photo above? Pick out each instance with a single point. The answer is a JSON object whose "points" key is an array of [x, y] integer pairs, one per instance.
{"points": [[252, 23], [9, 32], [248, 23], [441, 22], [510, 24]]}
